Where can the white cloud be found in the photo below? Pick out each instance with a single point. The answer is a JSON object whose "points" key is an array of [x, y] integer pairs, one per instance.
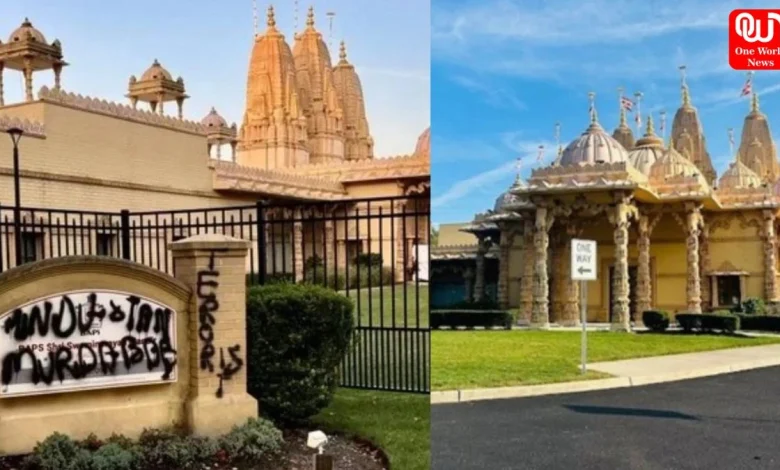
{"points": [[495, 96], [528, 152]]}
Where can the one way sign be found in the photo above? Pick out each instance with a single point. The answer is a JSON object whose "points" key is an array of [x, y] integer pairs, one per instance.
{"points": [[583, 260]]}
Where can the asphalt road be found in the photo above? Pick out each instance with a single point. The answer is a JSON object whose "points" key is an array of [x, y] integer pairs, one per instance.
{"points": [[725, 422]]}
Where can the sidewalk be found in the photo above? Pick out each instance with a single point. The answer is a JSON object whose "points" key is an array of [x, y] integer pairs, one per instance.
{"points": [[634, 372]]}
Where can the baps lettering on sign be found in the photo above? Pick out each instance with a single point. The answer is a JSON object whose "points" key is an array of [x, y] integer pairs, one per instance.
{"points": [[84, 340]]}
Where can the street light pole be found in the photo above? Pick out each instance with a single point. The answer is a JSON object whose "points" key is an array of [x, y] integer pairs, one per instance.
{"points": [[16, 135]]}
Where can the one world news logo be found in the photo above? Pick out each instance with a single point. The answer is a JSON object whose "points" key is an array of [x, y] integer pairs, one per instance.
{"points": [[754, 39]]}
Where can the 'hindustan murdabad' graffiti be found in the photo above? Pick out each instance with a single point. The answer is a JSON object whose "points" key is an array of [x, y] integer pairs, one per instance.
{"points": [[86, 339]]}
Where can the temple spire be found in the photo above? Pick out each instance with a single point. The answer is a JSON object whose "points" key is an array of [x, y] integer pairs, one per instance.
{"points": [[649, 130], [594, 119], [310, 18], [686, 98], [754, 103], [343, 52], [271, 19]]}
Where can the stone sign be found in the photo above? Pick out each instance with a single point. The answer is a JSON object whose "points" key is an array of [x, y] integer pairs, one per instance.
{"points": [[87, 339]]}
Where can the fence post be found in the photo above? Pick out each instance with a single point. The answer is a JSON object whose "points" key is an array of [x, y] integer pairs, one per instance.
{"points": [[261, 241], [125, 233]]}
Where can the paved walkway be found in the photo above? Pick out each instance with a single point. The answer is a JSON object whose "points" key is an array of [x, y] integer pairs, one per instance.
{"points": [[634, 372]]}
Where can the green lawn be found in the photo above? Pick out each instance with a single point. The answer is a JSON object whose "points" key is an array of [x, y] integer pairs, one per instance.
{"points": [[474, 359], [388, 302], [399, 423]]}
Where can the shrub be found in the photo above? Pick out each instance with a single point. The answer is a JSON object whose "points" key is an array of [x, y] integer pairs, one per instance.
{"points": [[705, 323], [455, 318], [656, 320], [317, 276], [368, 259], [313, 262], [370, 277], [754, 306], [115, 457], [297, 335], [59, 452], [91, 443], [252, 440]]}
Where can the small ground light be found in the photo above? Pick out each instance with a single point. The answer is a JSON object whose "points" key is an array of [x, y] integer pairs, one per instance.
{"points": [[317, 440]]}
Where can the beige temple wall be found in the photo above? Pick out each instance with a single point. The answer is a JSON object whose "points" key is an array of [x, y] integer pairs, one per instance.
{"points": [[735, 243]]}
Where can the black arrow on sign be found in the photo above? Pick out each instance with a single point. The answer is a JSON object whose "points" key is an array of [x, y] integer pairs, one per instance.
{"points": [[583, 270]]}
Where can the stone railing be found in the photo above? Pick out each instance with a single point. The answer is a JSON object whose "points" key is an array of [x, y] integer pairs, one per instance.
{"points": [[30, 128]]}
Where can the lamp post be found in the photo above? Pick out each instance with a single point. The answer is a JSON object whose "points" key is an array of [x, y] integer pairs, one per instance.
{"points": [[16, 135]]}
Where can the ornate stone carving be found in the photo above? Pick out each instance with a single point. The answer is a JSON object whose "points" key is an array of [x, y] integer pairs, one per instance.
{"points": [[540, 312], [643, 282], [527, 281], [571, 310], [30, 128], [507, 238], [483, 244], [704, 248], [298, 261], [619, 216], [770, 256], [693, 231]]}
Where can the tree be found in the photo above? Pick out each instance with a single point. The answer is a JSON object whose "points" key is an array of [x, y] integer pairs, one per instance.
{"points": [[434, 236]]}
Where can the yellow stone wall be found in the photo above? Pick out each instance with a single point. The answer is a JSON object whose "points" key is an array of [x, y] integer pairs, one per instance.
{"points": [[736, 243]]}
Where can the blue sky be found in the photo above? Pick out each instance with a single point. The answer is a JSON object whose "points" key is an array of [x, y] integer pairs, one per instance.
{"points": [[504, 71], [208, 43]]}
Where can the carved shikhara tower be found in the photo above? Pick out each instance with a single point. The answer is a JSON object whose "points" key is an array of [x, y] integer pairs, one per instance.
{"points": [[688, 137], [299, 108], [756, 149]]}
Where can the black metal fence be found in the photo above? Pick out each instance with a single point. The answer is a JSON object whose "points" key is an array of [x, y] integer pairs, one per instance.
{"points": [[372, 250]]}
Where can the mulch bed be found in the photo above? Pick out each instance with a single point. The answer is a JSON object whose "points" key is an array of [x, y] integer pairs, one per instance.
{"points": [[348, 454]]}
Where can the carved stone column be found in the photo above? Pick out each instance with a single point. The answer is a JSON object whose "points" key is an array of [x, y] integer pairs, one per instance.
{"points": [[134, 102], [556, 264], [571, 306], [2, 91], [526, 282], [540, 312], [770, 257], [621, 316], [298, 245], [479, 267], [507, 239], [704, 253], [28, 79], [161, 103], [233, 146], [180, 106], [57, 76], [693, 228], [644, 289]]}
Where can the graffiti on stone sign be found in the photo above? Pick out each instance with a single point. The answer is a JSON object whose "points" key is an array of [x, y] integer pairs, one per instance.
{"points": [[208, 312], [86, 339]]}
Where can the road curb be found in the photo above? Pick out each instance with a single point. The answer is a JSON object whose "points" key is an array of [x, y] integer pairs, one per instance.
{"points": [[523, 391]]}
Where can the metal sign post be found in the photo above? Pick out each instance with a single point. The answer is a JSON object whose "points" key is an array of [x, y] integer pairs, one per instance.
{"points": [[583, 269]]}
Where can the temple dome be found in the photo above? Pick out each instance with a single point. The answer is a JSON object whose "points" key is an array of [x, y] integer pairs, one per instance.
{"points": [[503, 200], [213, 120], [593, 146], [26, 30], [671, 165], [647, 149], [739, 176], [423, 147], [156, 72]]}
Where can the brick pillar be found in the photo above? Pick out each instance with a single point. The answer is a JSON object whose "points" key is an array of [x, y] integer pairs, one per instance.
{"points": [[214, 266], [298, 246]]}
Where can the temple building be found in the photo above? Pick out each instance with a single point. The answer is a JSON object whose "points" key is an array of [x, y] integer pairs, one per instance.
{"points": [[305, 137], [671, 234]]}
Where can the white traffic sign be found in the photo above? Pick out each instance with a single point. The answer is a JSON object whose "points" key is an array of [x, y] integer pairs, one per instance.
{"points": [[583, 260]]}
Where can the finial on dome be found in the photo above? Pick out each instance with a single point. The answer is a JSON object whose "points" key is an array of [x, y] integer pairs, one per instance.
{"points": [[343, 51], [310, 17], [686, 98], [271, 21], [754, 103], [592, 110], [650, 129], [623, 122]]}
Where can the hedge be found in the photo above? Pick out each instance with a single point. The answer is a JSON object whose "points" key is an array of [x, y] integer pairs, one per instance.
{"points": [[470, 318], [656, 320], [708, 322], [759, 322]]}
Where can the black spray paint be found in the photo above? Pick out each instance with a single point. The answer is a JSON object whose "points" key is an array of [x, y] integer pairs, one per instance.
{"points": [[208, 306], [79, 360]]}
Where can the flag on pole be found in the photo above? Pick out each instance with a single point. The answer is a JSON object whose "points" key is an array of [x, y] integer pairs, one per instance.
{"points": [[519, 163], [638, 119], [626, 103], [747, 88], [540, 156]]}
